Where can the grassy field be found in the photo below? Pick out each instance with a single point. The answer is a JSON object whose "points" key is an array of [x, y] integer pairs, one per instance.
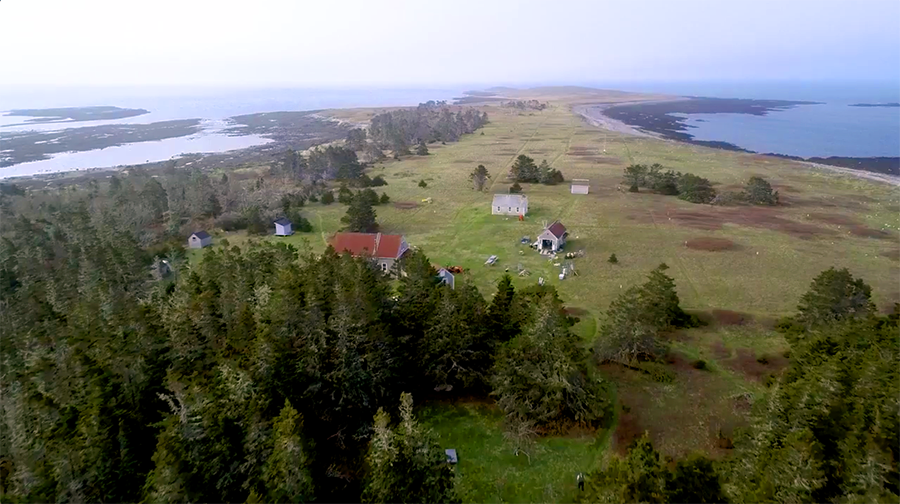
{"points": [[826, 220]]}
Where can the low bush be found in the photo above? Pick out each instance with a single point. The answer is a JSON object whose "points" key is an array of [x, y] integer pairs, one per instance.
{"points": [[231, 221], [658, 372]]}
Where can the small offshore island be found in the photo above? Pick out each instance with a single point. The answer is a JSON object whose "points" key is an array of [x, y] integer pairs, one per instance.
{"points": [[886, 105], [74, 114]]}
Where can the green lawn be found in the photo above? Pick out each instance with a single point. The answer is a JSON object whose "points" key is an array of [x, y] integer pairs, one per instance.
{"points": [[489, 469], [827, 220]]}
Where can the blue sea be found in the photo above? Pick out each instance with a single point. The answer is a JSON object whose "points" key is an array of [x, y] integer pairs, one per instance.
{"points": [[829, 128], [212, 105]]}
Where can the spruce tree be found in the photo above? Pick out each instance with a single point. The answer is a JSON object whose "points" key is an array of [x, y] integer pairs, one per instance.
{"points": [[360, 217], [286, 473], [478, 177], [541, 376], [405, 464]]}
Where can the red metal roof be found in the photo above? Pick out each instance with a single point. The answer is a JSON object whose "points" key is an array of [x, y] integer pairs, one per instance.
{"points": [[389, 246], [557, 229], [368, 244]]}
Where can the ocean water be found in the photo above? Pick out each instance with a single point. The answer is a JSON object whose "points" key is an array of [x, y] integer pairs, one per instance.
{"points": [[830, 128], [212, 106]]}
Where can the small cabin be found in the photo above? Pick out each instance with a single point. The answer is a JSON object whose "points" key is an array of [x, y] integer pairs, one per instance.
{"points": [[580, 186], [509, 204], [200, 239], [283, 227], [553, 238], [446, 277]]}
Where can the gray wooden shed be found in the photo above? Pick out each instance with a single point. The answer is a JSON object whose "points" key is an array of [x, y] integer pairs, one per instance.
{"points": [[200, 239]]}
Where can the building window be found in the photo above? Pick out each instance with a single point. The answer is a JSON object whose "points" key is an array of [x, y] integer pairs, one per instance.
{"points": [[517, 209], [509, 209], [498, 209], [384, 267]]}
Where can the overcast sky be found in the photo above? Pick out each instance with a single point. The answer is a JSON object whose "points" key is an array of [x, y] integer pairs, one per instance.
{"points": [[422, 42]]}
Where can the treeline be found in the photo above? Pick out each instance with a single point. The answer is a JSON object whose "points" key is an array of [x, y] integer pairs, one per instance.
{"points": [[397, 130], [826, 431], [167, 205], [523, 169], [525, 104], [696, 189], [257, 375]]}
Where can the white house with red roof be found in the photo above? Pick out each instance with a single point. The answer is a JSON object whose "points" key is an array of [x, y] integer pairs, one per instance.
{"points": [[384, 249], [553, 237]]}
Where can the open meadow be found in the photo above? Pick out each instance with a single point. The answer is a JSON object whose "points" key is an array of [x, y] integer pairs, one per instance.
{"points": [[739, 268]]}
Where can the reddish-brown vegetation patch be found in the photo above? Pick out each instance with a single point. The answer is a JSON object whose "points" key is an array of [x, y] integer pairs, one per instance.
{"points": [[767, 218], [729, 317], [582, 151], [742, 403], [867, 232], [710, 244], [855, 227], [836, 219], [696, 220], [603, 159], [894, 255], [844, 202], [719, 351], [679, 364], [753, 367], [405, 205], [627, 430], [680, 417]]}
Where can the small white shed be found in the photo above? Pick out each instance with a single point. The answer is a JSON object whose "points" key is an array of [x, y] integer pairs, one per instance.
{"points": [[283, 227], [200, 239], [580, 186]]}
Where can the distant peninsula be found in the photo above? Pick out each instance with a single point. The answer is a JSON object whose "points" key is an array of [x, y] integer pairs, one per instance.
{"points": [[26, 146], [666, 118], [891, 104], [74, 114]]}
